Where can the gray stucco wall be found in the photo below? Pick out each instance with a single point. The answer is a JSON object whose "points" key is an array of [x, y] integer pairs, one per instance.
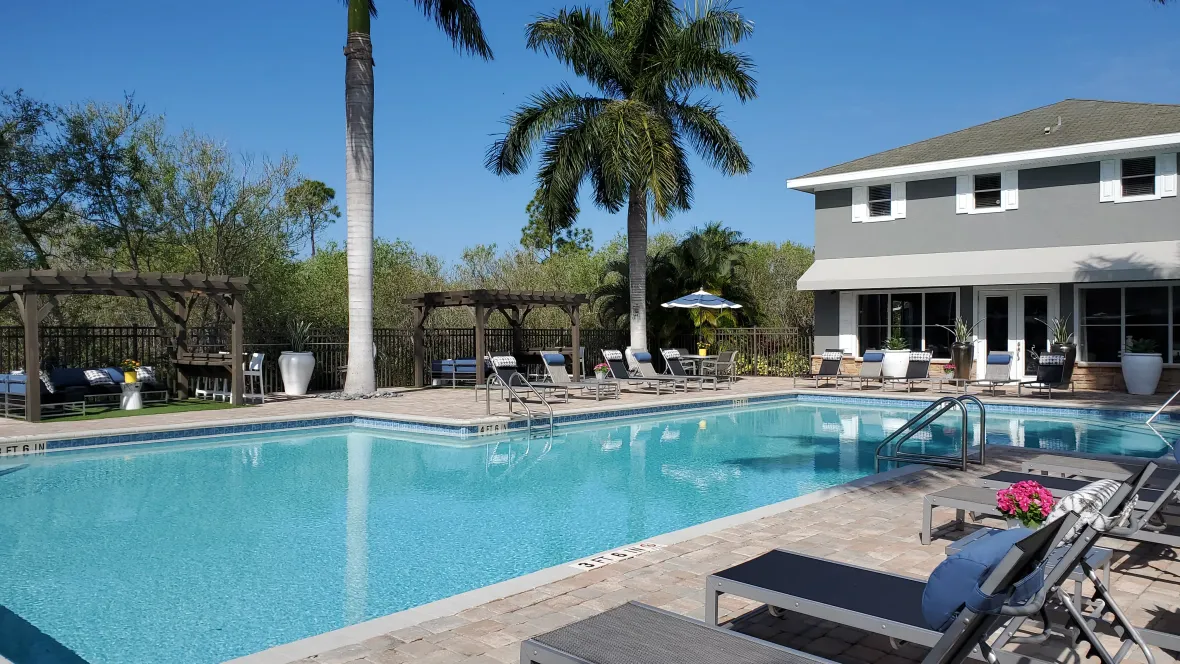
{"points": [[1058, 206], [827, 320]]}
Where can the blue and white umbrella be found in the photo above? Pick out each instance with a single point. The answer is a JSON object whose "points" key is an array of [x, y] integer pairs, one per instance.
{"points": [[701, 300]]}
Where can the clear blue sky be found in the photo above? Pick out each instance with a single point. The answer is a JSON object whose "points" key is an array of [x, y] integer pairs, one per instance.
{"points": [[837, 80]]}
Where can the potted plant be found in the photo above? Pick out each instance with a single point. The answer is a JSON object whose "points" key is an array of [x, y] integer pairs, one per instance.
{"points": [[962, 349], [601, 370], [1142, 364], [1062, 342], [1025, 502], [296, 365], [130, 370], [949, 369], [702, 348], [897, 355]]}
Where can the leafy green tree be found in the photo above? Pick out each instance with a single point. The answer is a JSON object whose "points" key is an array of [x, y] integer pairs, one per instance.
{"points": [[646, 58], [772, 271], [459, 21], [315, 203], [538, 236]]}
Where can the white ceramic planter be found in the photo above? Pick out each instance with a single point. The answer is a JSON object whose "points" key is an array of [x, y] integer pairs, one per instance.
{"points": [[296, 370], [1141, 372], [895, 363]]}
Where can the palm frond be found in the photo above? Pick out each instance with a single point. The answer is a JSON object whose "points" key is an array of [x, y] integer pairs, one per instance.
{"points": [[459, 21], [579, 39], [545, 112], [714, 24], [709, 136]]}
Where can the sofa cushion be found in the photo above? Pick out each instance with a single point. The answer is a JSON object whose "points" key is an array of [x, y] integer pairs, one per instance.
{"points": [[98, 377], [63, 378]]}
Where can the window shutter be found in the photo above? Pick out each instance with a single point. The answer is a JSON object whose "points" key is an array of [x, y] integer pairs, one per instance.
{"points": [[1010, 184], [963, 192], [860, 203], [848, 322], [1110, 176], [897, 209], [1165, 173]]}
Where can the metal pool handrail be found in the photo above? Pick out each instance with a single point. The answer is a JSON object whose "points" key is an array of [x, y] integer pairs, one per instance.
{"points": [[1157, 414], [519, 399], [925, 419]]}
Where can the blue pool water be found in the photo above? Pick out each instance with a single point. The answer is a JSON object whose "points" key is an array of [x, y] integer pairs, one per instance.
{"points": [[203, 552]]}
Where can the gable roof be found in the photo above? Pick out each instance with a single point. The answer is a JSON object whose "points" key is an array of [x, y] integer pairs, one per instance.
{"points": [[1082, 121]]}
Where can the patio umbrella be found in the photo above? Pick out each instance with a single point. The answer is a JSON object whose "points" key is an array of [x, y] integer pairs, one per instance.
{"points": [[701, 300]]}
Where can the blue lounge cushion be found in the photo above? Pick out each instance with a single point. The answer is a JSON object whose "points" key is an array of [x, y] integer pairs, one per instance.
{"points": [[115, 373], [642, 356], [63, 378], [998, 358], [553, 359], [874, 356], [1176, 450], [954, 584]]}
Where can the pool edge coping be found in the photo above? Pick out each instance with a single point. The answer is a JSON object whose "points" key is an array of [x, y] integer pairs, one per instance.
{"points": [[319, 644]]}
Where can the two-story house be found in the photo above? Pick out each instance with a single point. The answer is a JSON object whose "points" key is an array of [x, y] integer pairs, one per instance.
{"points": [[1065, 210]]}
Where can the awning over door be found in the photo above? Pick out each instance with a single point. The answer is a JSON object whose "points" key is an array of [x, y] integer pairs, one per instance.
{"points": [[1132, 261]]}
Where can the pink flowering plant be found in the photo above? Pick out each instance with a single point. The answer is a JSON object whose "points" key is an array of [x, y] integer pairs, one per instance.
{"points": [[1027, 502]]}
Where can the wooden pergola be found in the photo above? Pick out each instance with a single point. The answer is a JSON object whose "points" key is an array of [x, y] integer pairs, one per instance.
{"points": [[35, 293], [515, 305]]}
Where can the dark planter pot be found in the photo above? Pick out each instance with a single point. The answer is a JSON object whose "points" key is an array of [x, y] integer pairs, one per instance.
{"points": [[963, 356], [1071, 354]]}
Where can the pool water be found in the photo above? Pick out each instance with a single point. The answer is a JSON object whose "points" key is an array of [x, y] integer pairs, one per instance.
{"points": [[204, 552]]}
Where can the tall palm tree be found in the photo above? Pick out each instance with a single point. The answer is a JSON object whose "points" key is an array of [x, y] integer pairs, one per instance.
{"points": [[646, 58], [459, 21]]}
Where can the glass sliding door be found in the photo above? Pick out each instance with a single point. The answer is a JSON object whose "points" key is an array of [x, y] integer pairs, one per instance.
{"points": [[996, 323], [1036, 330]]}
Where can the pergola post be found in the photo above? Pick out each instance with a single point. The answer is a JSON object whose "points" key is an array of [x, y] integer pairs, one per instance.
{"points": [[237, 351], [576, 338], [479, 345], [30, 306], [420, 314]]}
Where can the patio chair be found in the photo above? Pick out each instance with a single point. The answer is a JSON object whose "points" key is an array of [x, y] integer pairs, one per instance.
{"points": [[917, 371], [723, 367], [870, 369], [1050, 374], [645, 369], [998, 371], [1062, 465], [894, 605], [252, 377], [618, 371], [675, 368], [557, 376], [638, 633], [829, 369], [505, 373]]}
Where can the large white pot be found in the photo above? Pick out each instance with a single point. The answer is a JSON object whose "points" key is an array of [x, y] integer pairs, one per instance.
{"points": [[1141, 372], [895, 363], [296, 370]]}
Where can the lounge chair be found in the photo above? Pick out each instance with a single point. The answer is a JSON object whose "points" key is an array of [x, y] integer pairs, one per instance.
{"points": [[673, 367], [1098, 469], [557, 376], [889, 604], [638, 633], [645, 369], [724, 366], [998, 371], [1050, 374], [870, 369], [618, 371], [829, 369], [917, 371], [505, 373]]}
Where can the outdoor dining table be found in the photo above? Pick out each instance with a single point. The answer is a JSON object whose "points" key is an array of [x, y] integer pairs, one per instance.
{"points": [[693, 363]]}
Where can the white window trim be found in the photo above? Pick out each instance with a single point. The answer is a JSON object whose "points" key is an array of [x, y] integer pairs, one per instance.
{"points": [[1110, 186], [1009, 192], [1173, 288], [898, 291], [860, 203]]}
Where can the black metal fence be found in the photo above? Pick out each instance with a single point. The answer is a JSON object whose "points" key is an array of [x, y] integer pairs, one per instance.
{"points": [[763, 352]]}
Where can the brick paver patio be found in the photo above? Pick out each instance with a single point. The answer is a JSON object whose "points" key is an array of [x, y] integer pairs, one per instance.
{"points": [[875, 526]]}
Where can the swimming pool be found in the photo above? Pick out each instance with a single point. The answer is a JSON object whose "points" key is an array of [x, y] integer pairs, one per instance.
{"points": [[203, 552]]}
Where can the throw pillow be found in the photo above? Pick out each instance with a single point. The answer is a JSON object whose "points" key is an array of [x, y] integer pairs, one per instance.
{"points": [[46, 381], [146, 374], [98, 377]]}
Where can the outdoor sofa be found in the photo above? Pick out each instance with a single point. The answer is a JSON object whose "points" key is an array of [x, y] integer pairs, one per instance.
{"points": [[66, 391], [455, 372]]}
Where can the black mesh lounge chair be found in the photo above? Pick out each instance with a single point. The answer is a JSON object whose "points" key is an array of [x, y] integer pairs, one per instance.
{"points": [[1050, 374], [645, 369], [505, 373], [1098, 469], [890, 604], [997, 372], [675, 368], [917, 371], [637, 633], [618, 371], [829, 369]]}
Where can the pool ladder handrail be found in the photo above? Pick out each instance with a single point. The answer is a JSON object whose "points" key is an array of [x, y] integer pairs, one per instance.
{"points": [[925, 419], [1157, 414], [519, 399]]}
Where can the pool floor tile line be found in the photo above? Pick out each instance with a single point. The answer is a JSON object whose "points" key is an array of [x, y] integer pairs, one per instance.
{"points": [[328, 641]]}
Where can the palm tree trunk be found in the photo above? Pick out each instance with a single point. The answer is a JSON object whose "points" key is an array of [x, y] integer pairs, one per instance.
{"points": [[358, 105], [637, 265]]}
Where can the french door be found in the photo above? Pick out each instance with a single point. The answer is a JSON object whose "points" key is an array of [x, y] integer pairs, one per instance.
{"points": [[1014, 320]]}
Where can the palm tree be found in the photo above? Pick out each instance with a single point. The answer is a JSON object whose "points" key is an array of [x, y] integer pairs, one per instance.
{"points": [[459, 21], [646, 58]]}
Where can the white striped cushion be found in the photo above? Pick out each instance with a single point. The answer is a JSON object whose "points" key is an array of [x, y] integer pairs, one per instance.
{"points": [[1087, 503]]}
